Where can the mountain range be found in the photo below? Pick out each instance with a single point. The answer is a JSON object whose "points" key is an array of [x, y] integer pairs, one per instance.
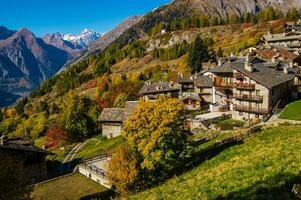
{"points": [[26, 61]]}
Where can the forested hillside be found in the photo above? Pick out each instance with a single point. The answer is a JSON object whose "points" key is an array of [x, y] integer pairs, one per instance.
{"points": [[114, 76]]}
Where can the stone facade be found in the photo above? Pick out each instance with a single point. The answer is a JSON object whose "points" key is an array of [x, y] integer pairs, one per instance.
{"points": [[111, 130]]}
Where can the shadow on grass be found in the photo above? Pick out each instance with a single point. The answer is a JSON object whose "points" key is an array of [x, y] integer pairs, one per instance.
{"points": [[105, 195], [56, 168], [261, 190], [206, 154]]}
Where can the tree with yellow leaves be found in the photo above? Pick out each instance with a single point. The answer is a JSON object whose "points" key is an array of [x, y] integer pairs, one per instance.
{"points": [[123, 169], [158, 138]]}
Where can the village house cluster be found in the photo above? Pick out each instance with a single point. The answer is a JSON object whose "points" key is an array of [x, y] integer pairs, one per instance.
{"points": [[289, 40], [249, 87]]}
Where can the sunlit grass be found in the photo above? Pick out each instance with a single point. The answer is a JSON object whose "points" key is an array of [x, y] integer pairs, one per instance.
{"points": [[97, 146], [292, 111], [260, 168], [70, 187]]}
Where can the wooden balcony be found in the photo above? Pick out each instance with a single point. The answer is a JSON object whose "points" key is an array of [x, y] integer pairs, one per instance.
{"points": [[224, 85], [245, 86], [238, 75], [250, 109], [246, 97]]}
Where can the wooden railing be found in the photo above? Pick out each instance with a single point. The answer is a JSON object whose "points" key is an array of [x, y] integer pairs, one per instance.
{"points": [[244, 86], [223, 84], [246, 97], [251, 109]]}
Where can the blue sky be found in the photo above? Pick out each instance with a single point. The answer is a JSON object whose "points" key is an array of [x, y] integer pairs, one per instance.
{"points": [[71, 16]]}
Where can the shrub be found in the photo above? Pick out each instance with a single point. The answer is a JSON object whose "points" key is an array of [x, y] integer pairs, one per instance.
{"points": [[122, 169]]}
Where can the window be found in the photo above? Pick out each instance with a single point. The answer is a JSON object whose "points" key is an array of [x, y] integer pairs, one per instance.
{"points": [[257, 92], [240, 114]]}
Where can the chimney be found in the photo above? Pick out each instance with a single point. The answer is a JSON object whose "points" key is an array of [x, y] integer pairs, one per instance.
{"points": [[248, 65], [273, 59], [291, 65], [219, 62], [285, 69]]}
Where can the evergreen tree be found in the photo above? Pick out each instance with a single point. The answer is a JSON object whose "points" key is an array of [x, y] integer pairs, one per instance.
{"points": [[197, 54]]}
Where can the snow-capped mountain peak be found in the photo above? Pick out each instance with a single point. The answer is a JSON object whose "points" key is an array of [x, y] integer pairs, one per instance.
{"points": [[84, 39]]}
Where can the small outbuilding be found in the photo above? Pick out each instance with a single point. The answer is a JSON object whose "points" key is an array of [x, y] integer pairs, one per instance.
{"points": [[32, 158]]}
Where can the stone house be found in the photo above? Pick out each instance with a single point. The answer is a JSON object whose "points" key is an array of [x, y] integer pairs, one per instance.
{"points": [[32, 157], [196, 88], [191, 101], [288, 40], [151, 91], [251, 87], [112, 119]]}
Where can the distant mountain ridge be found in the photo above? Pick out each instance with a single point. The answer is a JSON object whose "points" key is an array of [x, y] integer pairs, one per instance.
{"points": [[26, 61], [105, 40], [84, 39], [111, 36]]}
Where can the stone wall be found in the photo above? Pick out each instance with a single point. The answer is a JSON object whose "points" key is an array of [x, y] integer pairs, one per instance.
{"points": [[111, 130]]}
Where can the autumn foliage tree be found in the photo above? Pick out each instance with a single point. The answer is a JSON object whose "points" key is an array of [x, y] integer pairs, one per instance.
{"points": [[54, 136], [158, 138], [123, 169], [75, 119]]}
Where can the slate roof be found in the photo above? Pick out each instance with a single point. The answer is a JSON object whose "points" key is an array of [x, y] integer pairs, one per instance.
{"points": [[191, 96], [186, 79], [268, 54], [203, 81], [282, 37], [225, 68], [130, 107], [158, 87], [264, 73], [112, 115], [22, 145]]}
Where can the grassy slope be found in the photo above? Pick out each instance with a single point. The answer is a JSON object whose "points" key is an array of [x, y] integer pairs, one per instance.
{"points": [[292, 111], [71, 187], [97, 146], [262, 168]]}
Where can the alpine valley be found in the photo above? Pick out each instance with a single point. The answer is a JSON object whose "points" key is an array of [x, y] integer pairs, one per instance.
{"points": [[26, 61]]}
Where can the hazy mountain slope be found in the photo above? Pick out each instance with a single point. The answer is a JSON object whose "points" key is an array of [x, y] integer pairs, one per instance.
{"points": [[109, 37], [26, 61], [5, 33]]}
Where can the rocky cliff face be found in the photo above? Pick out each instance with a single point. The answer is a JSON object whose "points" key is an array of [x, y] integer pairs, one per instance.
{"points": [[25, 62], [186, 8], [57, 40], [223, 8]]}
